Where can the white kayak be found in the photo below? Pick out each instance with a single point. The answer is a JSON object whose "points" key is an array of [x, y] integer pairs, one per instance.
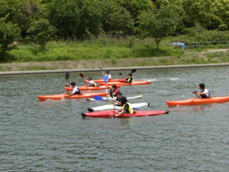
{"points": [[109, 98], [111, 107]]}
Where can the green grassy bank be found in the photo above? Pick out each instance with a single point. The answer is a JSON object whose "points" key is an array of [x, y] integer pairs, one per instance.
{"points": [[92, 50], [110, 53]]}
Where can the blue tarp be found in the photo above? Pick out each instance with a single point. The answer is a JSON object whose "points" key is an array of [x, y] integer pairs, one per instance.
{"points": [[179, 44]]}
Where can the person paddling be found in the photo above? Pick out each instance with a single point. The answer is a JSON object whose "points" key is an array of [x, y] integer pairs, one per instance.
{"points": [[75, 90], [118, 99], [204, 93], [91, 83], [129, 78], [108, 75], [126, 107], [114, 90]]}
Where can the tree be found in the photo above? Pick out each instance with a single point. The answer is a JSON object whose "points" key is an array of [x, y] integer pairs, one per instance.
{"points": [[221, 10], [90, 19], [116, 19], [8, 34], [158, 23], [198, 12], [24, 12], [41, 32], [65, 16]]}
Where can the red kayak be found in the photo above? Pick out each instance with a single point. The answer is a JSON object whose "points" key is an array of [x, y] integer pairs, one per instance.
{"points": [[102, 87], [111, 113], [197, 101], [128, 84], [76, 96]]}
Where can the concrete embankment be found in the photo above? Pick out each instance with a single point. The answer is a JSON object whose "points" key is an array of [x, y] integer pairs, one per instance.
{"points": [[112, 69]]}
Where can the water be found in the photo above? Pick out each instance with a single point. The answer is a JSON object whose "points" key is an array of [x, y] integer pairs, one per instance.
{"points": [[52, 136]]}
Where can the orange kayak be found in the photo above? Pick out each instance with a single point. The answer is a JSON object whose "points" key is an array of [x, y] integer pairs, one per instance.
{"points": [[102, 87], [197, 101], [99, 81], [77, 96], [128, 84]]}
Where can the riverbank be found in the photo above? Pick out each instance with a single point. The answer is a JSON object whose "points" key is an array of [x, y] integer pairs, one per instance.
{"points": [[209, 57], [112, 69]]}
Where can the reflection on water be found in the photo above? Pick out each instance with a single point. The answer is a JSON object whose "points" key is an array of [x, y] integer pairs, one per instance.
{"points": [[52, 135]]}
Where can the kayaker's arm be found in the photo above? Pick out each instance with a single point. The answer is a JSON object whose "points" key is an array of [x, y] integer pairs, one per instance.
{"points": [[67, 84], [120, 113], [197, 94]]}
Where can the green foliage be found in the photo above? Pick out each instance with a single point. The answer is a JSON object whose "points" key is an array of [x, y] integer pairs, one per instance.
{"points": [[158, 23], [220, 9], [25, 12], [76, 19], [8, 34], [41, 32], [65, 16], [116, 19]]}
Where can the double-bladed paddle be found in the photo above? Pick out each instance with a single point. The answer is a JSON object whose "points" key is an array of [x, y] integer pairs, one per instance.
{"points": [[81, 75], [132, 71], [66, 76]]}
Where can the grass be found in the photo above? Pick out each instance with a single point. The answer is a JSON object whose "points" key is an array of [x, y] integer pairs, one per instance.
{"points": [[107, 52], [97, 49]]}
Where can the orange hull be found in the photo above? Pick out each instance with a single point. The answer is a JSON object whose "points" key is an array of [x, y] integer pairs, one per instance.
{"points": [[103, 87], [101, 81], [197, 101], [129, 84], [77, 96]]}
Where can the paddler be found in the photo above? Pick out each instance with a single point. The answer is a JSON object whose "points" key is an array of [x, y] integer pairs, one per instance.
{"points": [[129, 78], [114, 90], [108, 75], [204, 93], [91, 83], [118, 99], [75, 90], [126, 107]]}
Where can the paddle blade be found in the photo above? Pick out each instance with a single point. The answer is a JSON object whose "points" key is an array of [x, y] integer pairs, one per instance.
{"points": [[101, 69], [111, 93], [66, 75], [120, 73], [134, 70], [81, 75], [98, 98]]}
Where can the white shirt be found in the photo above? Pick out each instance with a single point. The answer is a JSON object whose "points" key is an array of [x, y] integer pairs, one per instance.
{"points": [[91, 82], [206, 92], [108, 76], [75, 89]]}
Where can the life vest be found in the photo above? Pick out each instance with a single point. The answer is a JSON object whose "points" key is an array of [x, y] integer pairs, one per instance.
{"points": [[129, 110], [129, 80]]}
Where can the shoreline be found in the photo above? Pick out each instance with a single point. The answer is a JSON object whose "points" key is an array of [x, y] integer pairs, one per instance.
{"points": [[111, 69]]}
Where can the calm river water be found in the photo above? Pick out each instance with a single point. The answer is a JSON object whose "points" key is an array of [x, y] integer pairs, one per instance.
{"points": [[52, 136]]}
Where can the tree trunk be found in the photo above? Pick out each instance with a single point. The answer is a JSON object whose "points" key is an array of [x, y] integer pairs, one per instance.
{"points": [[158, 40]]}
